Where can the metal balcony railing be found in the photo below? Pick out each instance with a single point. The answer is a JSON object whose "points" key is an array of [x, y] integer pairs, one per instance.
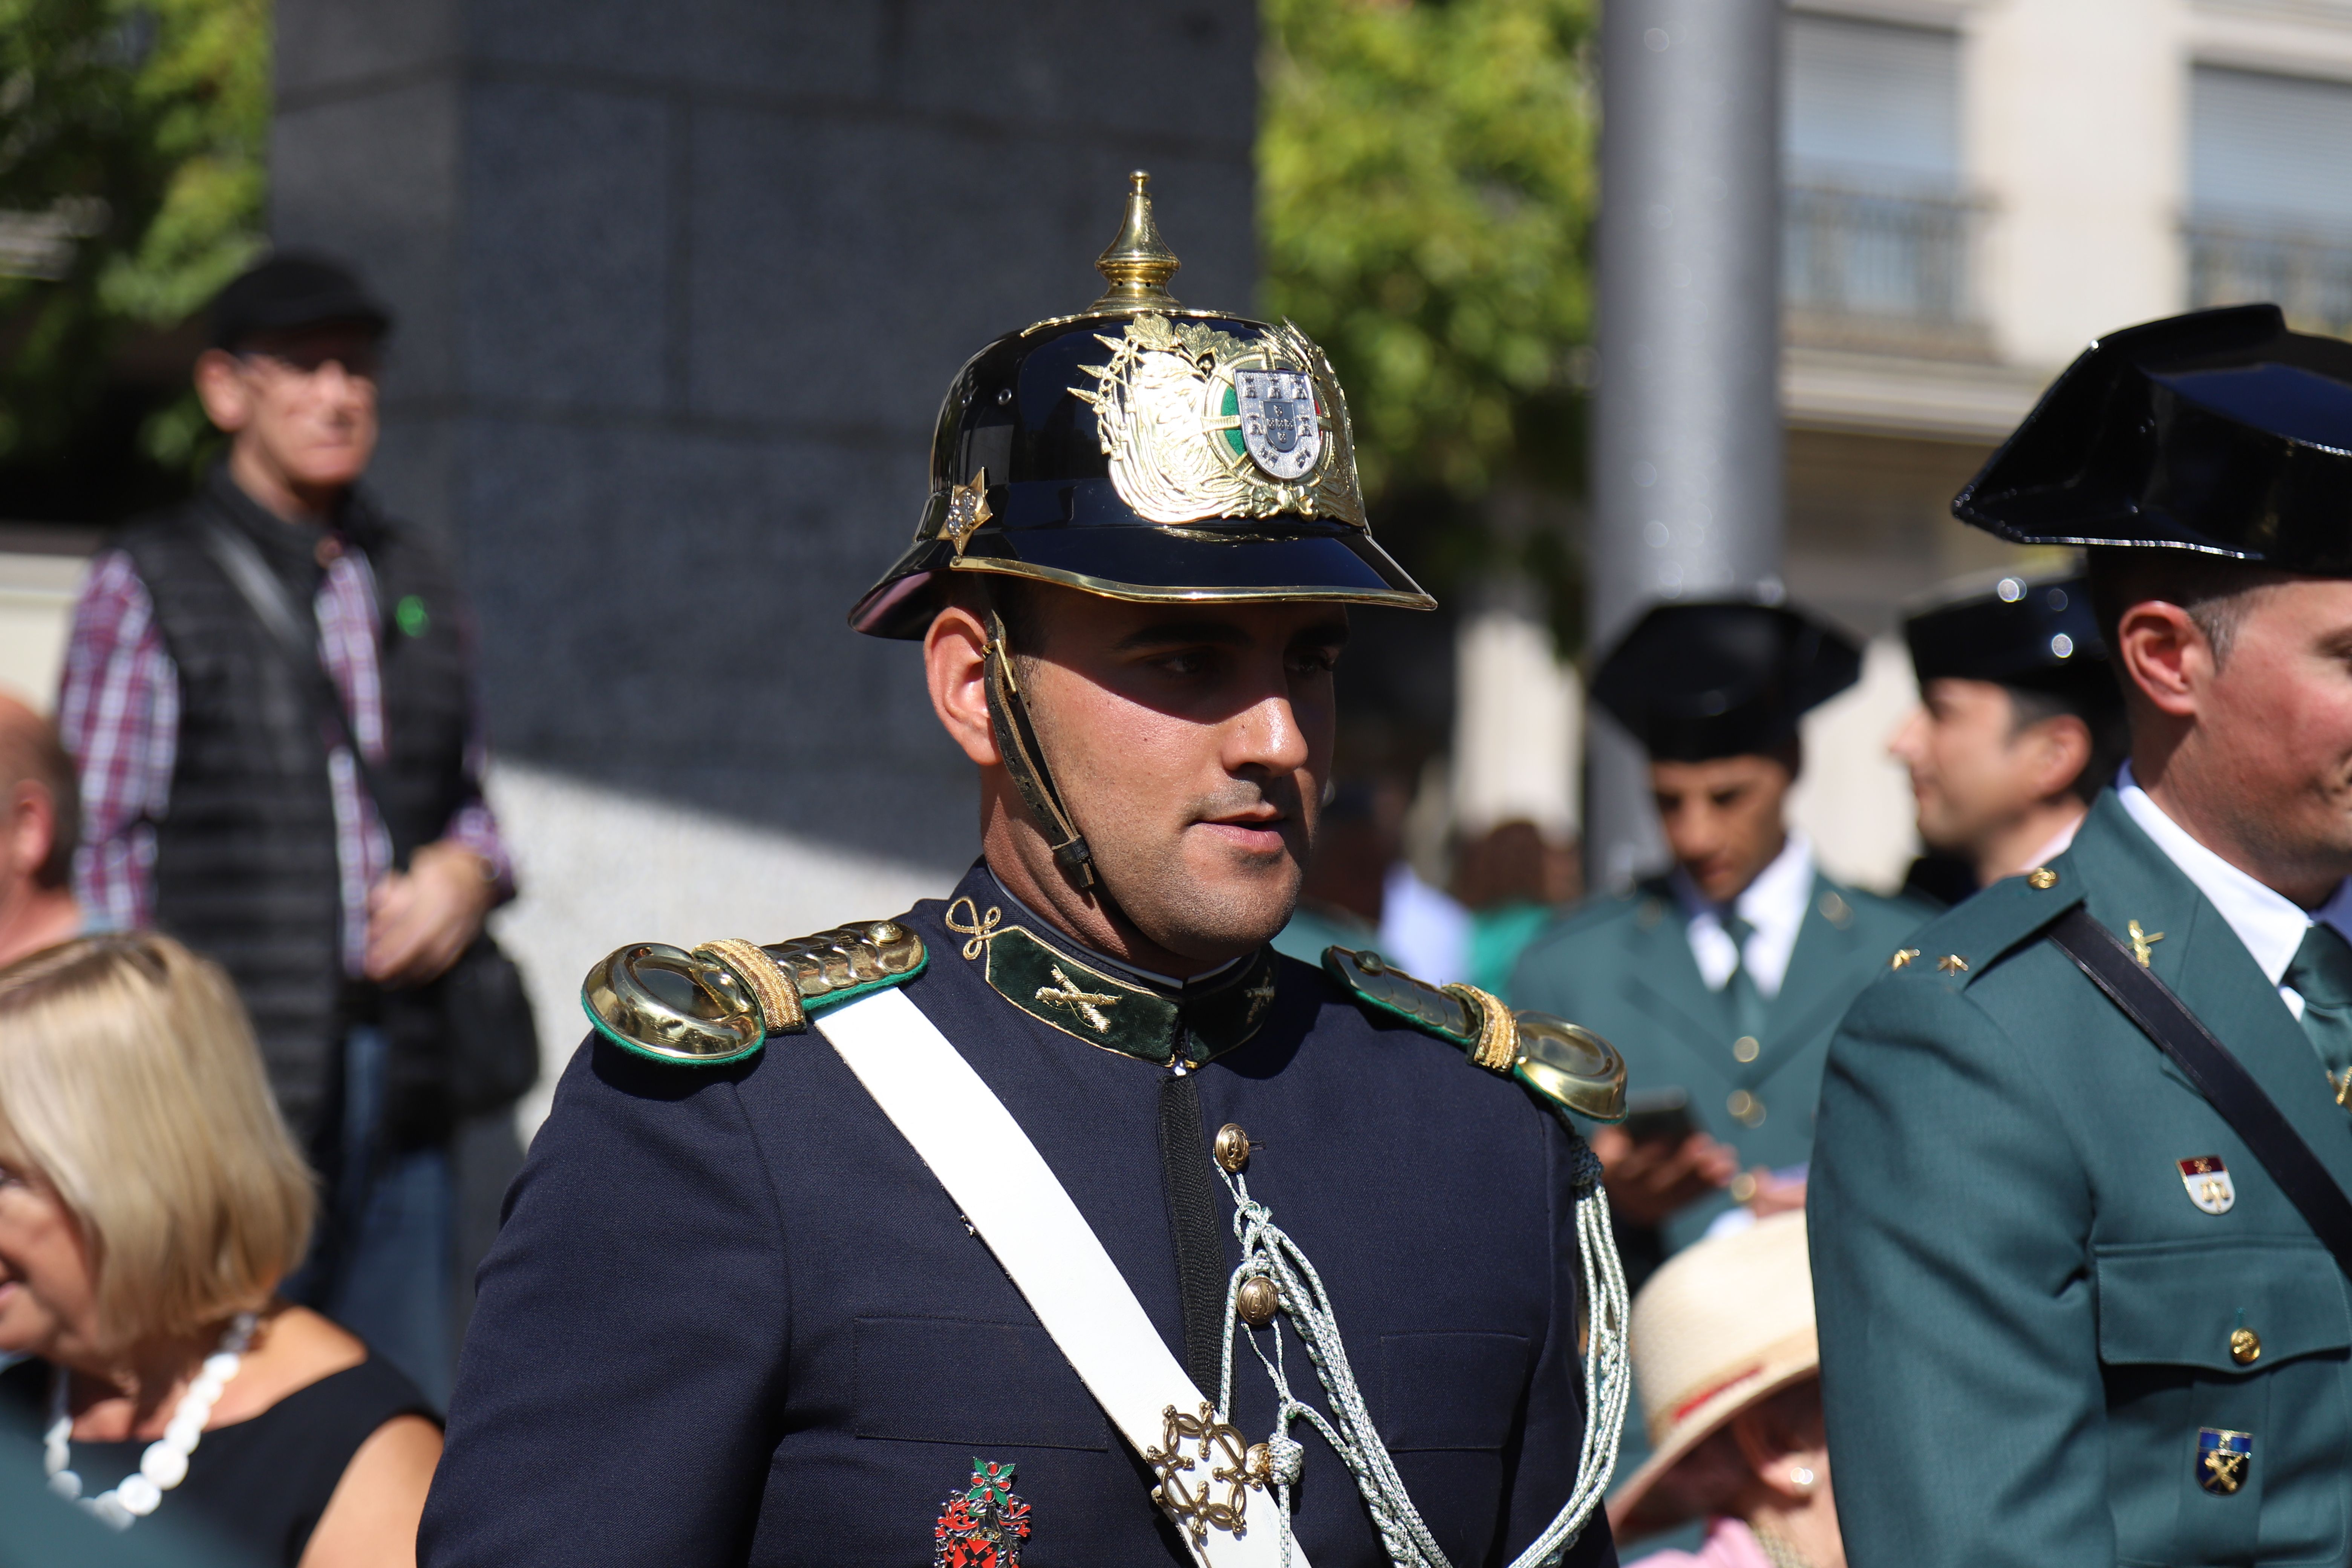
{"points": [[1878, 269], [2309, 274]]}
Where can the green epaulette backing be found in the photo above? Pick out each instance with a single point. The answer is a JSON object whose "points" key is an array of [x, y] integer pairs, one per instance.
{"points": [[720, 1002], [1569, 1067]]}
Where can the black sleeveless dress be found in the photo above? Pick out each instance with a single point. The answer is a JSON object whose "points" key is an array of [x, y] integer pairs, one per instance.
{"points": [[260, 1485]]}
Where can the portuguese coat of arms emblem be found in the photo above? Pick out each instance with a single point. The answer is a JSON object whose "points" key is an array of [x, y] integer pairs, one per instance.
{"points": [[984, 1525], [1200, 423]]}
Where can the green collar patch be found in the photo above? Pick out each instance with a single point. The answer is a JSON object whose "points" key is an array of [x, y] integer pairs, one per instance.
{"points": [[1102, 1009]]}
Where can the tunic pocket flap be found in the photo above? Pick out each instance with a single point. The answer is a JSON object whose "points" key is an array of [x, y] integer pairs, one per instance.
{"points": [[2221, 1308], [951, 1380], [1450, 1390]]}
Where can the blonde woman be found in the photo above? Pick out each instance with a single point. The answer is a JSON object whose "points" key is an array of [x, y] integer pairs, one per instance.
{"points": [[150, 1201]]}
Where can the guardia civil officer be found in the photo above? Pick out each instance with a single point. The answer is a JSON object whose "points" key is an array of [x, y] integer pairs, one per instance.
{"points": [[1721, 980], [2020, 725], [2078, 1299], [1030, 1224]]}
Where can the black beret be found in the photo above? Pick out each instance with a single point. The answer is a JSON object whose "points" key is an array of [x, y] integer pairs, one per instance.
{"points": [[294, 289], [1695, 682], [2218, 431], [2019, 630]]}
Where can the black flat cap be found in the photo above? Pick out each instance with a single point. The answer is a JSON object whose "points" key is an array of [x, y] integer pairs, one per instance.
{"points": [[2218, 431], [294, 289], [2018, 630], [1728, 679]]}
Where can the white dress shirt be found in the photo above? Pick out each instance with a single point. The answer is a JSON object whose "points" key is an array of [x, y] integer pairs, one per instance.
{"points": [[2270, 924], [1774, 905]]}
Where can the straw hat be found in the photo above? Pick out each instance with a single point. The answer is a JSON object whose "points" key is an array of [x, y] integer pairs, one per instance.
{"points": [[1719, 1326]]}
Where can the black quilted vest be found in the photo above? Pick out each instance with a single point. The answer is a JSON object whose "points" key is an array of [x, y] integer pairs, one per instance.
{"points": [[245, 854]]}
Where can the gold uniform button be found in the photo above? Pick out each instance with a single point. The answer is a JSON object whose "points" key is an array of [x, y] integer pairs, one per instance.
{"points": [[1255, 1302], [1743, 1188], [2042, 879], [1745, 1048], [1745, 1108], [2245, 1346], [1232, 1149]]}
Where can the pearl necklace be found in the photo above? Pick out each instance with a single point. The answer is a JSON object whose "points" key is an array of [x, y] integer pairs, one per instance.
{"points": [[165, 1465]]}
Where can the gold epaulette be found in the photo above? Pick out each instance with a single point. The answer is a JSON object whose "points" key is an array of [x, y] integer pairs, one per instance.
{"points": [[1567, 1065], [720, 1002]]}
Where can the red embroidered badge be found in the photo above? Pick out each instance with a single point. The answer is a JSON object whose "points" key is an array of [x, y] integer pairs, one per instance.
{"points": [[983, 1526]]}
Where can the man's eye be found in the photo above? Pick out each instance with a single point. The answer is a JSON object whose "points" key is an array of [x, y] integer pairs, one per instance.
{"points": [[1321, 662]]}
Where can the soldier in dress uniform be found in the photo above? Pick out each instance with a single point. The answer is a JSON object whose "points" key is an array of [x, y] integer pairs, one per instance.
{"points": [[2068, 1313], [1060, 1220], [1721, 980], [2020, 726]]}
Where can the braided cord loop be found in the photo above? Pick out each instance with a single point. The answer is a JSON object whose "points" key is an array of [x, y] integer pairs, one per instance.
{"points": [[1268, 1250]]}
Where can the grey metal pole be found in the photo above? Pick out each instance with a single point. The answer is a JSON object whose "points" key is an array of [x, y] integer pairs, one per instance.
{"points": [[1686, 438]]}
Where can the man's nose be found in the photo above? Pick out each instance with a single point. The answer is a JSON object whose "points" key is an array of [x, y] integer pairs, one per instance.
{"points": [[1266, 734]]}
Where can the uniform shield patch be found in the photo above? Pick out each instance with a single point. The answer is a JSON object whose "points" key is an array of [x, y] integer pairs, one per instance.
{"points": [[2208, 1183], [2225, 1460]]}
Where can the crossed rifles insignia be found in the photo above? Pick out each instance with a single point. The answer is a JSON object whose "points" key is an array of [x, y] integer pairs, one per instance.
{"points": [[1086, 1004], [2223, 1458]]}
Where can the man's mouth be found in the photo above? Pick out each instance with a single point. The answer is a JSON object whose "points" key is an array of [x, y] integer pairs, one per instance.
{"points": [[1258, 833]]}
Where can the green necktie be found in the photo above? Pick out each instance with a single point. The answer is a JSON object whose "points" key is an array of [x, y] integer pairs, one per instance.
{"points": [[2322, 976], [1742, 1001]]}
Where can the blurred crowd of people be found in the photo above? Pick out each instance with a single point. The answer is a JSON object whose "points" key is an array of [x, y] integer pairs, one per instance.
{"points": [[230, 1279]]}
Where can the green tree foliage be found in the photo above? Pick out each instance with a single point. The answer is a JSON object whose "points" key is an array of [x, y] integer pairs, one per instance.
{"points": [[1426, 188], [140, 129]]}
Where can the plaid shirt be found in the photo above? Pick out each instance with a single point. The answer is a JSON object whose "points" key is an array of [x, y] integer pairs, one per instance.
{"points": [[118, 712]]}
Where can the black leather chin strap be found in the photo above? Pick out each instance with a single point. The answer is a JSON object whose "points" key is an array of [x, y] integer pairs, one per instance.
{"points": [[1024, 759]]}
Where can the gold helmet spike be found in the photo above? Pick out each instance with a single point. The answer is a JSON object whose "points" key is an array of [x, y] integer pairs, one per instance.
{"points": [[1138, 262]]}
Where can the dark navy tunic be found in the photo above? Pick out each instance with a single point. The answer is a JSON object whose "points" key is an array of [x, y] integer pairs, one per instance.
{"points": [[732, 1318]]}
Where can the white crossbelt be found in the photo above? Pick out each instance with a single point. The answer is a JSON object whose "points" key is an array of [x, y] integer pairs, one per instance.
{"points": [[1010, 1196]]}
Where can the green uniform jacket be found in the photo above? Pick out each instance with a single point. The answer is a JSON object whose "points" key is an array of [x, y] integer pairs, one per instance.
{"points": [[1621, 966], [2025, 1319]]}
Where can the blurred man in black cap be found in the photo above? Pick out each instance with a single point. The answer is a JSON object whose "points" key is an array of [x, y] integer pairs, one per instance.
{"points": [[2079, 1221], [268, 699], [2020, 726], [1720, 980]]}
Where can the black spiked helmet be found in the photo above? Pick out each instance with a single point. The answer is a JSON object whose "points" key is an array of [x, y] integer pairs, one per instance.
{"points": [[1140, 450], [1137, 450]]}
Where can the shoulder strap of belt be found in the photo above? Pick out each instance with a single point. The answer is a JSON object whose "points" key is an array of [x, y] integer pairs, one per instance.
{"points": [[2217, 1074]]}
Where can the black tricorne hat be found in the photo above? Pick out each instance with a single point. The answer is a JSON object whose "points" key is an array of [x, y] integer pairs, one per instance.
{"points": [[2218, 431], [1724, 678], [2018, 630], [294, 289], [1140, 450]]}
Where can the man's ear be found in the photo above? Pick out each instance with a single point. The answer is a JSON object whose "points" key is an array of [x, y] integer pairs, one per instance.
{"points": [[221, 388], [2166, 655], [2062, 750], [31, 827], [955, 664]]}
